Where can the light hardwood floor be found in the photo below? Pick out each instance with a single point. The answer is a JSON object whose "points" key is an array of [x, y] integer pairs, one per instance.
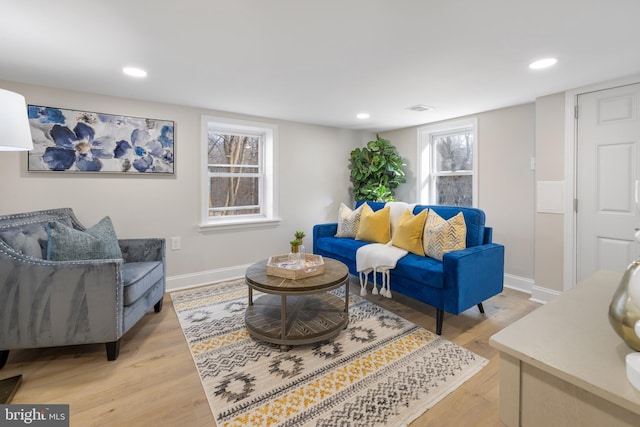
{"points": [[154, 381]]}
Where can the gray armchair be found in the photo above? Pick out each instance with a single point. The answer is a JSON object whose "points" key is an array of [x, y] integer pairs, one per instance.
{"points": [[55, 303]]}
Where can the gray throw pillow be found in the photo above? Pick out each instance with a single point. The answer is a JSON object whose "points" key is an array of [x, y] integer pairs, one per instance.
{"points": [[68, 244]]}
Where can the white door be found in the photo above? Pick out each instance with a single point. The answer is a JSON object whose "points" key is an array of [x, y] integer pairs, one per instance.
{"points": [[608, 179]]}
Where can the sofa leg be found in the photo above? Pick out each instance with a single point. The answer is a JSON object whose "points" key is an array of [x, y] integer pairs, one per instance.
{"points": [[439, 320], [113, 350], [4, 355], [481, 308], [158, 307]]}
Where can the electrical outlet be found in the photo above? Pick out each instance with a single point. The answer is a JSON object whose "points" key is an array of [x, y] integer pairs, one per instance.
{"points": [[175, 243]]}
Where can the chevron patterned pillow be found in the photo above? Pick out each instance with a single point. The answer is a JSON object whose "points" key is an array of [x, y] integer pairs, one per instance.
{"points": [[348, 221], [442, 236]]}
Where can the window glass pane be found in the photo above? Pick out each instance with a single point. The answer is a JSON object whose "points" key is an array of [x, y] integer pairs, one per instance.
{"points": [[235, 212], [225, 192], [234, 169], [453, 152], [234, 154], [237, 151], [454, 190]]}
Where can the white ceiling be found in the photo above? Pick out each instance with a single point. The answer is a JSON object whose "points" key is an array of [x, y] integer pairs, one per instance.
{"points": [[321, 61]]}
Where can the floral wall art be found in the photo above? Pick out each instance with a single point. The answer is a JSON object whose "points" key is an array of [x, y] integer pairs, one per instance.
{"points": [[81, 141]]}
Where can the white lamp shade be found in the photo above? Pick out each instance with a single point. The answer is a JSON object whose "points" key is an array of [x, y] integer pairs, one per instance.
{"points": [[15, 133]]}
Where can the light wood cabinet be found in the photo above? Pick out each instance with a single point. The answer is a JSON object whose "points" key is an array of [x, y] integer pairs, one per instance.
{"points": [[563, 365]]}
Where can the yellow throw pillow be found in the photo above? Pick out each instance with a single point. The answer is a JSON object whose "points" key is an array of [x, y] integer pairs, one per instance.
{"points": [[442, 236], [374, 226], [408, 232], [348, 221]]}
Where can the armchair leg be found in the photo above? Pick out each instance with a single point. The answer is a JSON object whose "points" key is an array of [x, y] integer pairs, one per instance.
{"points": [[4, 355], [481, 308], [113, 350], [439, 321], [158, 307]]}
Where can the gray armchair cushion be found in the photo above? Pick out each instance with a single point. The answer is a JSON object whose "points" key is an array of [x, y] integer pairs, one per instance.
{"points": [[29, 236], [139, 277], [68, 244], [29, 240]]}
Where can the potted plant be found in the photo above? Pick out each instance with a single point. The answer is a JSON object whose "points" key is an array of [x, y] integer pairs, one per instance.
{"points": [[299, 236], [294, 246], [376, 171]]}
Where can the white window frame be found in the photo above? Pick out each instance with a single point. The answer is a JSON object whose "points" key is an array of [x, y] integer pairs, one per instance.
{"points": [[425, 184], [268, 189]]}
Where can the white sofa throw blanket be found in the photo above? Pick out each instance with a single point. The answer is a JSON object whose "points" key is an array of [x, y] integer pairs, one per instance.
{"points": [[377, 258]]}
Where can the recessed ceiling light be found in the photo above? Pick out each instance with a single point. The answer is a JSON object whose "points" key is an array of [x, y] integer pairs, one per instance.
{"points": [[134, 72], [363, 116], [543, 63], [420, 107]]}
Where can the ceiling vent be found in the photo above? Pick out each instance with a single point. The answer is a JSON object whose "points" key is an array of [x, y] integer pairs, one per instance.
{"points": [[420, 107]]}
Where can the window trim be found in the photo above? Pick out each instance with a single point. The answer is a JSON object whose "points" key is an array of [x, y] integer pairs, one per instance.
{"points": [[268, 192], [425, 183]]}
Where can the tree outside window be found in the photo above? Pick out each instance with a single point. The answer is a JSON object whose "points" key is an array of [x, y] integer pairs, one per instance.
{"points": [[238, 172], [235, 174], [453, 169], [447, 173]]}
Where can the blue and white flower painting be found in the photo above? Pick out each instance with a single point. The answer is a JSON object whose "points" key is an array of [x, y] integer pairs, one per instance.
{"points": [[80, 141]]}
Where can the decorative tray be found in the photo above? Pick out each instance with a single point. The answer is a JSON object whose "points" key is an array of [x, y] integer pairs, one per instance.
{"points": [[308, 265]]}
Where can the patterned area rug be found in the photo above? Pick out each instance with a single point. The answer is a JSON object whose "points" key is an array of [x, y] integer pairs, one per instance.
{"points": [[381, 370]]}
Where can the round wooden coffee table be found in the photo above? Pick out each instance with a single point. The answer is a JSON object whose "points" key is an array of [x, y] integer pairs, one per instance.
{"points": [[295, 312]]}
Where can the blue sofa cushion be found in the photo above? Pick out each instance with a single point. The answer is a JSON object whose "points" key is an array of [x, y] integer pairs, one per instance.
{"points": [[340, 246], [426, 270], [138, 278]]}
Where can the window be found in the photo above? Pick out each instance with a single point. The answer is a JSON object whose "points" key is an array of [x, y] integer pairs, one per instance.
{"points": [[448, 163], [238, 181]]}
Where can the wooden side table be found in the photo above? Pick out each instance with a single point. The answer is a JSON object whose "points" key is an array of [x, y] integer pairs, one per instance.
{"points": [[296, 312]]}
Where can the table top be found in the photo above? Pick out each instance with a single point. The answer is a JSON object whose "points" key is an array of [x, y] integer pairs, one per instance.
{"points": [[335, 273], [571, 338]]}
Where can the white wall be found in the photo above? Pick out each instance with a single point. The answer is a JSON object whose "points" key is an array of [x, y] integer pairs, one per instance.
{"points": [[312, 171], [505, 179], [550, 160]]}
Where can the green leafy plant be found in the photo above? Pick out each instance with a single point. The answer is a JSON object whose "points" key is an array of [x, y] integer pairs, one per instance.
{"points": [[376, 171], [299, 235], [295, 244]]}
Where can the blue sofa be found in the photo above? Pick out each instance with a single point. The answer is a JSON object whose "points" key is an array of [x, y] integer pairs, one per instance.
{"points": [[461, 280]]}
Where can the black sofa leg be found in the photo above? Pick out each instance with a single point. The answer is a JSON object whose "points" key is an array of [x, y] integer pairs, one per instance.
{"points": [[439, 320], [481, 308], [113, 350], [158, 307], [4, 355]]}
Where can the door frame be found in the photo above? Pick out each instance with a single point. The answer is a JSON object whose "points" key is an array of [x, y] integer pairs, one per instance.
{"points": [[570, 172]]}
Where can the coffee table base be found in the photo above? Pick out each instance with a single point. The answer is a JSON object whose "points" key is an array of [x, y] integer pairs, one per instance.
{"points": [[296, 320]]}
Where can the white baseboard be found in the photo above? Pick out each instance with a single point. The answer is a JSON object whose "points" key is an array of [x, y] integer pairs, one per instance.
{"points": [[543, 295], [192, 280], [538, 293], [518, 283]]}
